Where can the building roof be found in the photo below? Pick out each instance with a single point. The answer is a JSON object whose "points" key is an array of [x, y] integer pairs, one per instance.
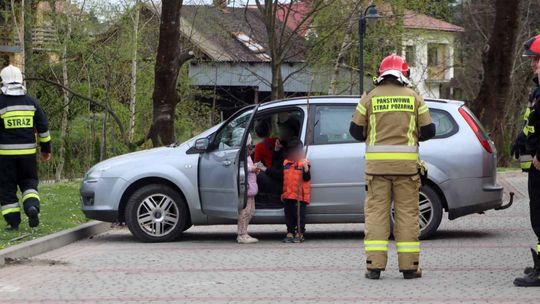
{"points": [[234, 34], [411, 19], [414, 20], [298, 11]]}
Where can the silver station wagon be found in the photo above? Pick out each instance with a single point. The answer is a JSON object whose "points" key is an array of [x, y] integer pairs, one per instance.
{"points": [[161, 192]]}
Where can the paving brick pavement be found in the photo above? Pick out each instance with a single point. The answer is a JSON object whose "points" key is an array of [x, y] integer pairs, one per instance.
{"points": [[471, 260]]}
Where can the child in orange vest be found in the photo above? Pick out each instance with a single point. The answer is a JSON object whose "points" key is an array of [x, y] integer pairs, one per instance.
{"points": [[296, 187]]}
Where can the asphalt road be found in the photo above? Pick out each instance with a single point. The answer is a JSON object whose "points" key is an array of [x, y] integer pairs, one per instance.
{"points": [[471, 260]]}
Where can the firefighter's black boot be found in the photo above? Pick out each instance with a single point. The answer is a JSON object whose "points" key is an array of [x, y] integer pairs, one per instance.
{"points": [[529, 270], [412, 274], [33, 217], [532, 279], [12, 228], [13, 220], [373, 274]]}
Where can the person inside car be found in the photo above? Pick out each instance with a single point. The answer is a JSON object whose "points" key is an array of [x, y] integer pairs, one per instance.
{"points": [[265, 148]]}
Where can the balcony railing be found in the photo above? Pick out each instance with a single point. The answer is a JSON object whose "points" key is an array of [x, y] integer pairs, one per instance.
{"points": [[44, 38], [437, 74]]}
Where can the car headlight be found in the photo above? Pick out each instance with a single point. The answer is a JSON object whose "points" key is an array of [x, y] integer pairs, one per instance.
{"points": [[95, 175]]}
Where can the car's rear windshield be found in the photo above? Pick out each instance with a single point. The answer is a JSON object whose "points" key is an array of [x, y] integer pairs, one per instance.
{"points": [[445, 125]]}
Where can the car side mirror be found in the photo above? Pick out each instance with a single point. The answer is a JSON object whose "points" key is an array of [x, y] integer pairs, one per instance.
{"points": [[202, 144]]}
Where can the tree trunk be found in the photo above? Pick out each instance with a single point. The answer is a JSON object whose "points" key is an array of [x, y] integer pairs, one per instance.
{"points": [[19, 27], [29, 20], [345, 46], [133, 85], [168, 62], [65, 111], [103, 139], [278, 91], [498, 63]]}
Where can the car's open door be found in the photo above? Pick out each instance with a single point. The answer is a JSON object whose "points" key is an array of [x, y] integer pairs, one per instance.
{"points": [[223, 168]]}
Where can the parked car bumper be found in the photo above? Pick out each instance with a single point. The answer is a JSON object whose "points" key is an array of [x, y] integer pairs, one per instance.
{"points": [[100, 198], [471, 195]]}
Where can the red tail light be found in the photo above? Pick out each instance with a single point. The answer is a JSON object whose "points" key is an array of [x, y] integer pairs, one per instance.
{"points": [[477, 129]]}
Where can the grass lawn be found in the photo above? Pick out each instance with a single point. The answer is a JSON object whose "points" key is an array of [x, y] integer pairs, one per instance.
{"points": [[60, 209]]}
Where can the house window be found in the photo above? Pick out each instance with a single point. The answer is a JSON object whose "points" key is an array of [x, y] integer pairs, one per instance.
{"points": [[410, 55], [436, 54]]}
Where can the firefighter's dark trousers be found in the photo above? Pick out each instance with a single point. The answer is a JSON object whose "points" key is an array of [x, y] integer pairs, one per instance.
{"points": [[404, 191], [18, 172], [534, 197]]}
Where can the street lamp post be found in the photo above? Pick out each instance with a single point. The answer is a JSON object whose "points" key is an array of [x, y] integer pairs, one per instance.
{"points": [[369, 13]]}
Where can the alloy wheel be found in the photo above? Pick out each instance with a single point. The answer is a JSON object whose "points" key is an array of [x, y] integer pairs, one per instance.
{"points": [[157, 215]]}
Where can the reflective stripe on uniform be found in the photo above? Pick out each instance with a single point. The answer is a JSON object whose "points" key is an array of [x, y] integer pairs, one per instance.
{"points": [[412, 126], [17, 146], [30, 193], [376, 245], [18, 152], [17, 113], [408, 247], [44, 137], [525, 161], [525, 165], [423, 109], [391, 149], [361, 109], [527, 113], [538, 248], [373, 130], [392, 156], [11, 208], [17, 108], [17, 149]]}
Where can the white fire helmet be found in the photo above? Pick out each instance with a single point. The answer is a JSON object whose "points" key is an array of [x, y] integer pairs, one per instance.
{"points": [[10, 75]]}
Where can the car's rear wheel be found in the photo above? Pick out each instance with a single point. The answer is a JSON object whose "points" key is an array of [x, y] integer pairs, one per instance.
{"points": [[431, 211], [156, 213]]}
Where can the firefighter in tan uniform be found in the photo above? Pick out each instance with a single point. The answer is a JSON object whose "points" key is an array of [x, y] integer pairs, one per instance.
{"points": [[392, 119]]}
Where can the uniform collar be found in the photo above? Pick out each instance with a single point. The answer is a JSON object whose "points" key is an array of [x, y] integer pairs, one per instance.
{"points": [[13, 89]]}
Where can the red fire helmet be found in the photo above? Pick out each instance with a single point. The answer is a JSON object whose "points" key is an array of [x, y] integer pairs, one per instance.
{"points": [[396, 66], [531, 47]]}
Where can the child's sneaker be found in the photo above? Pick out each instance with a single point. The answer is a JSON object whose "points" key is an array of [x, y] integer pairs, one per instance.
{"points": [[299, 238], [246, 239], [289, 238], [251, 239]]}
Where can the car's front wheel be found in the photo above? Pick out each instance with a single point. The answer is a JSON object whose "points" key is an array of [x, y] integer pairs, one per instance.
{"points": [[156, 213]]}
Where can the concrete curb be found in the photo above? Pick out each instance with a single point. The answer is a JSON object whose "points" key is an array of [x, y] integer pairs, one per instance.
{"points": [[53, 241]]}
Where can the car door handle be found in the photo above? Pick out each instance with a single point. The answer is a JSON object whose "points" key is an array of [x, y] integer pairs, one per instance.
{"points": [[226, 163]]}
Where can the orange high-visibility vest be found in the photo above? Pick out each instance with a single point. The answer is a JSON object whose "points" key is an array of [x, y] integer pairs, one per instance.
{"points": [[292, 179]]}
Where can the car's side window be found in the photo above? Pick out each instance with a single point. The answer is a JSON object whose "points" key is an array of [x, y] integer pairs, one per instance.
{"points": [[332, 125], [444, 123], [230, 136]]}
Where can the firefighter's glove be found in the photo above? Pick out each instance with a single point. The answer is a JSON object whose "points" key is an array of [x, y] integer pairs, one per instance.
{"points": [[518, 147]]}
